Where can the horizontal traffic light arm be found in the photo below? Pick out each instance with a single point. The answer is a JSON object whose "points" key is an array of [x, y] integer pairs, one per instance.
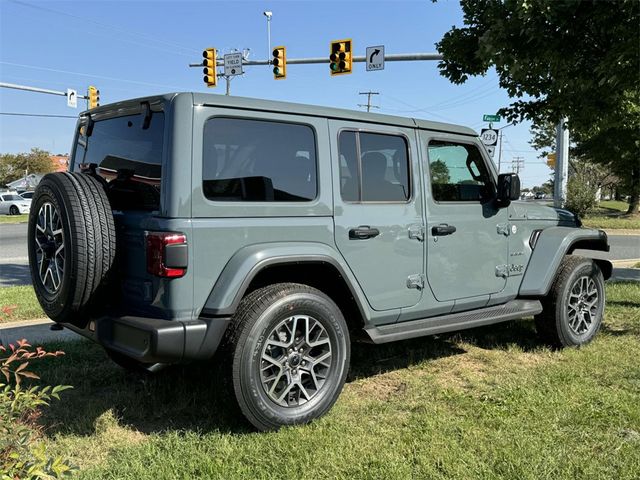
{"points": [[394, 57], [38, 90]]}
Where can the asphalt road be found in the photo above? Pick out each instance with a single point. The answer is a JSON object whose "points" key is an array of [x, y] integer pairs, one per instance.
{"points": [[14, 261]]}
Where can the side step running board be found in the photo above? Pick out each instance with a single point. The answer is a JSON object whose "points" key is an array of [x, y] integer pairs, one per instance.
{"points": [[455, 321]]}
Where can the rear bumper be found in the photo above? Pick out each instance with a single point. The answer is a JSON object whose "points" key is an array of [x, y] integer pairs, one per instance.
{"points": [[153, 340]]}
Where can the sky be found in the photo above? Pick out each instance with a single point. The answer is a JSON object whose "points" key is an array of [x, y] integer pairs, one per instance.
{"points": [[130, 49]]}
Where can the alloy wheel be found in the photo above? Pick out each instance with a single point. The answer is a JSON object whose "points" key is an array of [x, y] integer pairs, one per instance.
{"points": [[50, 254], [583, 304], [296, 360]]}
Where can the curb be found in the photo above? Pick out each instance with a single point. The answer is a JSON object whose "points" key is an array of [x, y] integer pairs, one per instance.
{"points": [[622, 231], [627, 263], [26, 323]]}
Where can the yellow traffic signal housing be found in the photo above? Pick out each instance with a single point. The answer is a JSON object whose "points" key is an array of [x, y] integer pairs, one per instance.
{"points": [[551, 161], [94, 97], [209, 64], [340, 57], [279, 63]]}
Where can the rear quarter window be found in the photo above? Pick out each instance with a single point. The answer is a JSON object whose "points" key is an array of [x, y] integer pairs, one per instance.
{"points": [[258, 161]]}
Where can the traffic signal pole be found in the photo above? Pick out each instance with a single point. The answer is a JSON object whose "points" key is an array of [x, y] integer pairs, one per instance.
{"points": [[397, 57], [38, 90], [562, 164], [394, 57]]}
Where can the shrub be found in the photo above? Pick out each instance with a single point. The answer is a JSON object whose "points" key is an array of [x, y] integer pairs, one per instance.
{"points": [[581, 195], [22, 452]]}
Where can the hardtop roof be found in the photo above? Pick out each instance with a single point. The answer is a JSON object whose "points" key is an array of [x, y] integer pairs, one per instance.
{"points": [[248, 103]]}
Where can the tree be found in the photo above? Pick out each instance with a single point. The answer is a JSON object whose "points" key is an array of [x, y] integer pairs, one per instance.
{"points": [[560, 58], [591, 159], [439, 173], [14, 166]]}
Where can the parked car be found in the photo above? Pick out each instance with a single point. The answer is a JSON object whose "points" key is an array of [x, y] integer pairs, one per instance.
{"points": [[278, 233], [27, 195], [539, 195], [13, 204]]}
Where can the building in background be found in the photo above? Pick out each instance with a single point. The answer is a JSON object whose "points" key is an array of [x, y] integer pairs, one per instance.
{"points": [[60, 162]]}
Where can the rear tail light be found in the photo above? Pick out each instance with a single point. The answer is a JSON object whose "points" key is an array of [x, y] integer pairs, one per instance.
{"points": [[167, 254]]}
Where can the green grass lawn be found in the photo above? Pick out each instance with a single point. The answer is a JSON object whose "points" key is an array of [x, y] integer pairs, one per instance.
{"points": [[486, 403], [19, 303], [14, 218], [613, 223], [613, 205], [610, 215]]}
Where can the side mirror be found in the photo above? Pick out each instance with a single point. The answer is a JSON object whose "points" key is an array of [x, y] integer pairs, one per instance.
{"points": [[508, 188]]}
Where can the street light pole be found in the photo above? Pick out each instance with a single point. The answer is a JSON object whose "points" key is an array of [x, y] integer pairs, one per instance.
{"points": [[268, 14]]}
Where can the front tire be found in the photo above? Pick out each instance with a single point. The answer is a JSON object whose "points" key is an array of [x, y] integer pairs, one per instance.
{"points": [[574, 307], [14, 210], [290, 351]]}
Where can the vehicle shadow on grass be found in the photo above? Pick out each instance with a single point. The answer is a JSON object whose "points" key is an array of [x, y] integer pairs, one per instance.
{"points": [[197, 397]]}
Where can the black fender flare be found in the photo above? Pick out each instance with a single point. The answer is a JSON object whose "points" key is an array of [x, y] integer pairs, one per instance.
{"points": [[551, 246], [247, 262]]}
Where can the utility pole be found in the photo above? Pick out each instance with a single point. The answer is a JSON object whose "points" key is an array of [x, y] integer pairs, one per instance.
{"points": [[562, 164], [517, 164], [368, 104], [500, 150]]}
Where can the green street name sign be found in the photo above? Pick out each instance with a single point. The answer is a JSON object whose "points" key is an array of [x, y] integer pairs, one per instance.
{"points": [[491, 118]]}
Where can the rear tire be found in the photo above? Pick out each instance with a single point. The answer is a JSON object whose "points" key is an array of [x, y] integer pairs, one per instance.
{"points": [[289, 348], [71, 244], [13, 210], [574, 307]]}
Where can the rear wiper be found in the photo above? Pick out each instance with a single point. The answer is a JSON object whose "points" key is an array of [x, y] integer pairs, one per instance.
{"points": [[90, 123], [146, 110]]}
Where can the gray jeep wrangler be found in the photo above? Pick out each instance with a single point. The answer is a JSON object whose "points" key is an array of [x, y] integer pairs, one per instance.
{"points": [[277, 233]]}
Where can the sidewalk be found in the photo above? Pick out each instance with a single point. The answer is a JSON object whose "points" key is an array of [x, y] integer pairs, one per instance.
{"points": [[35, 331]]}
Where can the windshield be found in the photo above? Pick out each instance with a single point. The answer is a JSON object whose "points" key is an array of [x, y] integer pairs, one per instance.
{"points": [[127, 156]]}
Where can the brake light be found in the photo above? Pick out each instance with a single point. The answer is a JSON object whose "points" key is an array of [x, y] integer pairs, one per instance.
{"points": [[167, 254]]}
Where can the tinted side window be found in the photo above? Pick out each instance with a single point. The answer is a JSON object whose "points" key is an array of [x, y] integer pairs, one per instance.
{"points": [[374, 167], [458, 173], [258, 161]]}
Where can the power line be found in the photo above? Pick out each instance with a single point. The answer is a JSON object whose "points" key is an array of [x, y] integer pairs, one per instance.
{"points": [[38, 115], [413, 106], [172, 87], [469, 94], [106, 25]]}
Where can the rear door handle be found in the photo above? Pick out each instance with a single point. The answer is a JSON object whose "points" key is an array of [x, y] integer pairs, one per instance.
{"points": [[443, 229], [363, 232]]}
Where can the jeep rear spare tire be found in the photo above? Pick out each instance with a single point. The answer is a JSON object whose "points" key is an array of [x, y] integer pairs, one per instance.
{"points": [[71, 243]]}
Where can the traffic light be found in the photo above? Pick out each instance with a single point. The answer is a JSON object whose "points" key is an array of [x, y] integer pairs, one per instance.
{"points": [[551, 161], [279, 63], [209, 64], [340, 59], [94, 97]]}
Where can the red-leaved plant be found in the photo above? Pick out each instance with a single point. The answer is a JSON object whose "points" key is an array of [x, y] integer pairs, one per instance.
{"points": [[21, 353], [23, 454]]}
